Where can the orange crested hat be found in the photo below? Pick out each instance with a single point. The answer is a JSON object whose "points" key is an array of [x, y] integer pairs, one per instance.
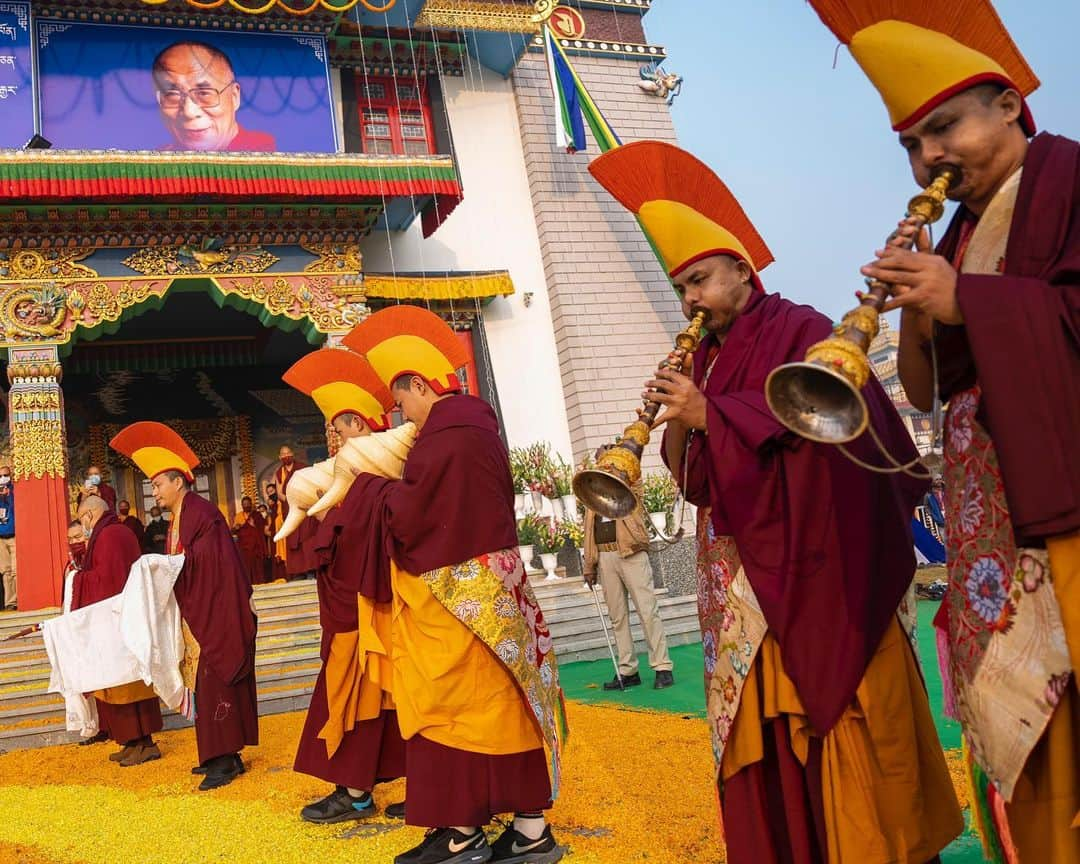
{"points": [[408, 340], [154, 448], [919, 53], [342, 382], [687, 211]]}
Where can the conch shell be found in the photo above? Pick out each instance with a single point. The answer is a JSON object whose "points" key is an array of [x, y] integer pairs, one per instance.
{"points": [[305, 487], [381, 453]]}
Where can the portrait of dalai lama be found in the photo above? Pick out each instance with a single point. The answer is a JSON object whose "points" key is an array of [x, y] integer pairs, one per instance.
{"points": [[198, 97]]}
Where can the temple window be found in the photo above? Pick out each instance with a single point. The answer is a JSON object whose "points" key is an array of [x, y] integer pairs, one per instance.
{"points": [[395, 116]]}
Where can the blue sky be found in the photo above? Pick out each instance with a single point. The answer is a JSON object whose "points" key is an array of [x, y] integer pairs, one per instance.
{"points": [[807, 148]]}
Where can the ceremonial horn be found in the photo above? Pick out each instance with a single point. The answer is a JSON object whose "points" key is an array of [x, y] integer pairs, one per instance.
{"points": [[820, 398], [607, 488], [305, 487], [381, 453]]}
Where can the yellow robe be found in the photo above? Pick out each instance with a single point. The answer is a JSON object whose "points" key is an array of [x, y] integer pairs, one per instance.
{"points": [[886, 788]]}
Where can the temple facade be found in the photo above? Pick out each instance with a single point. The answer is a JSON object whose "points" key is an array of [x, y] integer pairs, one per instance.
{"points": [[192, 195]]}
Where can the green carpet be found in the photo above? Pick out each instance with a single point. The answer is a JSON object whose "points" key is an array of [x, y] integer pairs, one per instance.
{"points": [[583, 682]]}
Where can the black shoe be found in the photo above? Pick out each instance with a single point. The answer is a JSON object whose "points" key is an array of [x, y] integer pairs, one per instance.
{"points": [[447, 846], [221, 771], [513, 847], [395, 811], [664, 678], [627, 681], [201, 769], [95, 739], [339, 806]]}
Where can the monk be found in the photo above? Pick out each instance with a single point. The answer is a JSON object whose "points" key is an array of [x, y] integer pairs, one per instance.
{"points": [[214, 596], [469, 640], [95, 484], [250, 532], [825, 746], [123, 508], [350, 736], [276, 507], [300, 556], [130, 713], [997, 303]]}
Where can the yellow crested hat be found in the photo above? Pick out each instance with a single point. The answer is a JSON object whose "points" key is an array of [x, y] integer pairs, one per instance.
{"points": [[920, 53], [408, 340], [342, 382], [687, 211], [155, 448]]}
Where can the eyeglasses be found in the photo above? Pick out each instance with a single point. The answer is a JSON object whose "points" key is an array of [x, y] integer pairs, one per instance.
{"points": [[204, 97]]}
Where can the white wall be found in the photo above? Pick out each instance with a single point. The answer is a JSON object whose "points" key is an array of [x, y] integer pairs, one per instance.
{"points": [[493, 228]]}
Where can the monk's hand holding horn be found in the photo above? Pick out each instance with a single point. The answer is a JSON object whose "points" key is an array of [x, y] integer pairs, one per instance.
{"points": [[681, 398]]}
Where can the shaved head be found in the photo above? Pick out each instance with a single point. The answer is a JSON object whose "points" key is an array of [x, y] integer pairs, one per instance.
{"points": [[92, 504]]}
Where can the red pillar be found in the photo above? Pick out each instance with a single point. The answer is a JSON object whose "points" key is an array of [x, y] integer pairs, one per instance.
{"points": [[39, 465]]}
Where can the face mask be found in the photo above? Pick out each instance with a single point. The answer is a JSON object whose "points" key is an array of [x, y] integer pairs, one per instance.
{"points": [[77, 550], [286, 460], [124, 512], [167, 517], [272, 496], [94, 480], [5, 479]]}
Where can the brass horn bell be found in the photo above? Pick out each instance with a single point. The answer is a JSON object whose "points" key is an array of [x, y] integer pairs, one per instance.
{"points": [[821, 397]]}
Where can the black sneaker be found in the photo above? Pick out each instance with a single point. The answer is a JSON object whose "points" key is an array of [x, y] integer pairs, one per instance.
{"points": [[221, 771], [95, 739], [201, 769], [339, 806], [513, 847], [664, 678], [395, 811], [627, 681], [447, 846]]}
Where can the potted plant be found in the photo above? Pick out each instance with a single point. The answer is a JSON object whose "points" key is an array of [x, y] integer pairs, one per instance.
{"points": [[537, 471], [658, 499], [563, 479], [550, 538], [528, 531], [519, 473]]}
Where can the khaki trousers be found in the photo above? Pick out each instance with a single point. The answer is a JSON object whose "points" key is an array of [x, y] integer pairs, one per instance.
{"points": [[633, 576], [7, 568]]}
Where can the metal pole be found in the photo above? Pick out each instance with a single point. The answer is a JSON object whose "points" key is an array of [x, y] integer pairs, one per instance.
{"points": [[607, 636]]}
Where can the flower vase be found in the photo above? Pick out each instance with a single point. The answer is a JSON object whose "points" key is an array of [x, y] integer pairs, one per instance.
{"points": [[556, 508], [519, 503], [569, 505], [659, 522], [537, 501], [549, 561], [526, 556]]}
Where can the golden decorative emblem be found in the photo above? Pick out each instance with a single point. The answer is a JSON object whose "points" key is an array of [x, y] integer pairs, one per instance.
{"points": [[334, 258], [53, 264], [193, 260], [624, 461], [864, 319], [498, 17]]}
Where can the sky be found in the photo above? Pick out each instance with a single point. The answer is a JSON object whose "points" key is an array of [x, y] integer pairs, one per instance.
{"points": [[808, 149]]}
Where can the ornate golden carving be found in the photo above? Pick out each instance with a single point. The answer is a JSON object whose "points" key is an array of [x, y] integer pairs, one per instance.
{"points": [[637, 432], [623, 461], [472, 15], [35, 409], [53, 264], [864, 319], [842, 355], [334, 258], [32, 313], [248, 485], [187, 260]]}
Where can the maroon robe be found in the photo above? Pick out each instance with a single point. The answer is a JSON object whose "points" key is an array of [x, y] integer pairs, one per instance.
{"points": [[825, 544], [373, 751], [300, 557], [111, 551], [454, 502], [1021, 342], [251, 543], [213, 593], [136, 526]]}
